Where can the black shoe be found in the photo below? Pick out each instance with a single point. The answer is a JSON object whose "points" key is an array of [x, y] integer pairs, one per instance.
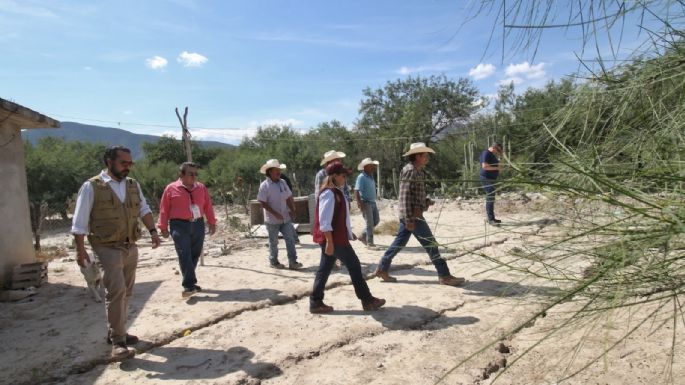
{"points": [[197, 288], [130, 339], [494, 222], [188, 292], [278, 265]]}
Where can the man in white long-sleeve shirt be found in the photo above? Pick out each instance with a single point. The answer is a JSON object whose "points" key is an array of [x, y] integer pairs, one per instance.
{"points": [[107, 211]]}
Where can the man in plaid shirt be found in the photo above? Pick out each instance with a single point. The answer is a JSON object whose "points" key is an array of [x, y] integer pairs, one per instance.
{"points": [[413, 202]]}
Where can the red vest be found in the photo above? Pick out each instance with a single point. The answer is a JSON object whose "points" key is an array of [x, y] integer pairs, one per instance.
{"points": [[339, 222]]}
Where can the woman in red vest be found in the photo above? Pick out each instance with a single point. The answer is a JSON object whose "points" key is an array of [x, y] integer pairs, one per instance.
{"points": [[332, 231]]}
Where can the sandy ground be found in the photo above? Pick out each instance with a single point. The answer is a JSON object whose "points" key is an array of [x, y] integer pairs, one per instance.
{"points": [[251, 324]]}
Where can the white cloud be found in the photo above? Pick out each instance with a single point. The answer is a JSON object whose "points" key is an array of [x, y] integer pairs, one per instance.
{"points": [[22, 9], [276, 122], [513, 79], [191, 59], [482, 71], [440, 67], [536, 71], [225, 135], [156, 63]]}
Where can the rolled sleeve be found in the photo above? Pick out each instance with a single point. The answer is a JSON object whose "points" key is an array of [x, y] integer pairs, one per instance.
{"points": [[84, 205], [144, 207], [326, 208]]}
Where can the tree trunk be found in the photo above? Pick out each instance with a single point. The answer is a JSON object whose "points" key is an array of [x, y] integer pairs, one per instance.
{"points": [[37, 213]]}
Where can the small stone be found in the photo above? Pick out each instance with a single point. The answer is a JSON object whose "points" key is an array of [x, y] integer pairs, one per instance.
{"points": [[379, 365]]}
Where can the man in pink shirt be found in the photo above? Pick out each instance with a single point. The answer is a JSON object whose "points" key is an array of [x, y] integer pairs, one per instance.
{"points": [[184, 205]]}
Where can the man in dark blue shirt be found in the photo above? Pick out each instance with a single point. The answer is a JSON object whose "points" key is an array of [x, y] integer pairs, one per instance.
{"points": [[489, 170]]}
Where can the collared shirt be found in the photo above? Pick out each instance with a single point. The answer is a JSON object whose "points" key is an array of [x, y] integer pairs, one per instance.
{"points": [[86, 197], [275, 194], [412, 191], [326, 209], [177, 200], [366, 187], [318, 180]]}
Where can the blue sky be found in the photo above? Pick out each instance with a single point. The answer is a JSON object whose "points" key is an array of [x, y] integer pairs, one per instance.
{"points": [[242, 64]]}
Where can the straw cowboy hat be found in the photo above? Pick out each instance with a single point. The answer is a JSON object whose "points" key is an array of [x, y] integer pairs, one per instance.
{"points": [[366, 161], [330, 155], [417, 148], [271, 163]]}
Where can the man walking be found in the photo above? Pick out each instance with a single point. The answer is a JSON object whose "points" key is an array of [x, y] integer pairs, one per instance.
{"points": [[412, 203], [365, 194], [328, 158], [489, 171], [278, 204], [185, 202], [107, 211]]}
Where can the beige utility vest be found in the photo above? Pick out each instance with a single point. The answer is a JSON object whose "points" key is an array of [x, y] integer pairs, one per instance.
{"points": [[112, 222]]}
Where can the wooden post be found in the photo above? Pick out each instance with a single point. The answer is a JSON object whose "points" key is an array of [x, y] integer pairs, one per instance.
{"points": [[185, 134], [394, 183], [378, 181], [185, 137]]}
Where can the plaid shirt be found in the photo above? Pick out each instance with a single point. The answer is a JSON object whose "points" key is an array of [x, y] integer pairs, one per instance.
{"points": [[412, 192]]}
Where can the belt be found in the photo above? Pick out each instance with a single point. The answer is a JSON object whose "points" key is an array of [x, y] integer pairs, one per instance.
{"points": [[186, 220]]}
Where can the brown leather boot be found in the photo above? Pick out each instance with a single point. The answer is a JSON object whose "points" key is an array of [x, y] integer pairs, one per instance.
{"points": [[373, 304], [120, 352], [451, 280], [385, 276]]}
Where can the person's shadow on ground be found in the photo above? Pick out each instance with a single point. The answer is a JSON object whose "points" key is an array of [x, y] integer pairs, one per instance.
{"points": [[410, 317], [238, 295], [192, 364]]}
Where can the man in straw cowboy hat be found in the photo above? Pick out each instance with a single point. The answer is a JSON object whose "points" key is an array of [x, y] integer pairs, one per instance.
{"points": [[278, 204], [328, 158], [412, 203], [365, 194]]}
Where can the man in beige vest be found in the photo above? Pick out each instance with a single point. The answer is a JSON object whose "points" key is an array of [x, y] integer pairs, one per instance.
{"points": [[107, 211]]}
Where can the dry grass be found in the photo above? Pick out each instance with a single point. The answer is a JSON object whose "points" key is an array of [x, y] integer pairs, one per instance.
{"points": [[48, 254], [387, 228]]}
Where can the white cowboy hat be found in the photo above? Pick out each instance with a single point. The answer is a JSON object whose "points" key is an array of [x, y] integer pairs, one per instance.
{"points": [[366, 161], [271, 163], [330, 155], [417, 148]]}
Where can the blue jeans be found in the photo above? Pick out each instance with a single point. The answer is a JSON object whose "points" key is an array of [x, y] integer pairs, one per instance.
{"points": [[296, 237], [423, 234], [188, 239], [371, 217], [287, 229], [347, 255], [489, 187]]}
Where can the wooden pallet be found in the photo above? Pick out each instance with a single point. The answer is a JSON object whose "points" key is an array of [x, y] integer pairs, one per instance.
{"points": [[29, 274]]}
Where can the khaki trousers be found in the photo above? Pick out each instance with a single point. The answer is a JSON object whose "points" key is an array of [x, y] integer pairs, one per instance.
{"points": [[119, 266]]}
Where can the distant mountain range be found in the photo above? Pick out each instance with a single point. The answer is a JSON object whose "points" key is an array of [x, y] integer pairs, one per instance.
{"points": [[71, 131]]}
